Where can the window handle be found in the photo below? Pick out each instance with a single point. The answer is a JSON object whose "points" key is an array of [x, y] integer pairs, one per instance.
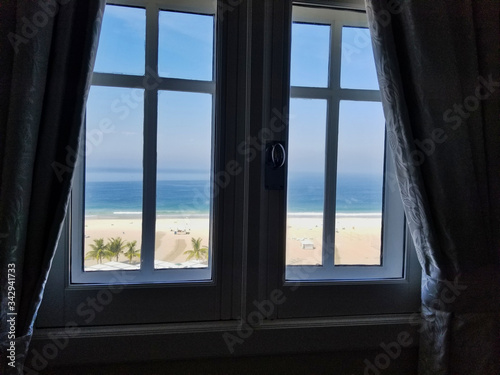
{"points": [[278, 155], [275, 161]]}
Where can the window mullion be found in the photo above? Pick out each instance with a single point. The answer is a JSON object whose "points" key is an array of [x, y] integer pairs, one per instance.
{"points": [[117, 80], [330, 183], [150, 140], [360, 95], [331, 147], [335, 57]]}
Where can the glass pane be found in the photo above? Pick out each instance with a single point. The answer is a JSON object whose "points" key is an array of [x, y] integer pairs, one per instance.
{"points": [[183, 189], [306, 179], [113, 173], [186, 43], [122, 41], [357, 66], [359, 183], [310, 51]]}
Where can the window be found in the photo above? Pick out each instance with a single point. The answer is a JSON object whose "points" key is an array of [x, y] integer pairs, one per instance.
{"points": [[187, 101], [146, 184], [148, 150], [340, 223]]}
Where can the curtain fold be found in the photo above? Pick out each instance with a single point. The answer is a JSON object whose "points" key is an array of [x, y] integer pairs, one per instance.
{"points": [[438, 64], [48, 51]]}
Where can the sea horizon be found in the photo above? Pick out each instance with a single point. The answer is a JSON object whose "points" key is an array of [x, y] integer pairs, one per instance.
{"points": [[357, 195]]}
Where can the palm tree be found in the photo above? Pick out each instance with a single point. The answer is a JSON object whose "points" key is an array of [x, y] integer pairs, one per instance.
{"points": [[115, 246], [197, 252], [132, 252], [99, 250]]}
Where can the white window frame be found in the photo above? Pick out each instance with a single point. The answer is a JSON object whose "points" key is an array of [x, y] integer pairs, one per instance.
{"points": [[152, 84], [393, 221]]}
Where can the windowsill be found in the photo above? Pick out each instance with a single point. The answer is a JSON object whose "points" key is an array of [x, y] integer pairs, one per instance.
{"points": [[150, 342]]}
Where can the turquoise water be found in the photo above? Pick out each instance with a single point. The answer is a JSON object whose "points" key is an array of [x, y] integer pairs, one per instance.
{"points": [[355, 194]]}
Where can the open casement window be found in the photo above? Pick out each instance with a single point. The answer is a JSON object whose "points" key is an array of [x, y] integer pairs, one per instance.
{"points": [[235, 154]]}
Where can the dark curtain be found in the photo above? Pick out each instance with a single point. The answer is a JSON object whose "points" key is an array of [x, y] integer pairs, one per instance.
{"points": [[47, 53], [438, 65]]}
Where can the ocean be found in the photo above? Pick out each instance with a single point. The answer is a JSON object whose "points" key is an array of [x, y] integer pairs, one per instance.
{"points": [[356, 194]]}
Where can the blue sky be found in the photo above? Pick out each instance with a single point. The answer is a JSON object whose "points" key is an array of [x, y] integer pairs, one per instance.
{"points": [[361, 124], [184, 119]]}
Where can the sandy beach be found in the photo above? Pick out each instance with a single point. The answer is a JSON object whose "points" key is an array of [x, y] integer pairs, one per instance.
{"points": [[357, 238], [173, 235]]}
